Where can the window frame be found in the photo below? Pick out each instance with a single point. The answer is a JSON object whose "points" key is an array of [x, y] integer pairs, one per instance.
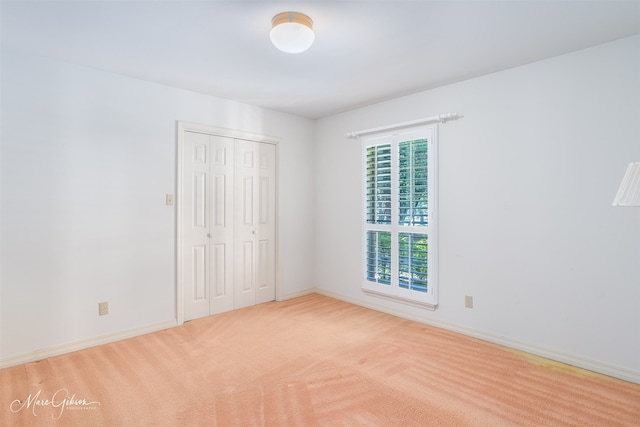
{"points": [[428, 299]]}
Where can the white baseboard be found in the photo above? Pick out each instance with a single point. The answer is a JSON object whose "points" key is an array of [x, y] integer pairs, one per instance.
{"points": [[36, 355], [298, 294], [580, 362]]}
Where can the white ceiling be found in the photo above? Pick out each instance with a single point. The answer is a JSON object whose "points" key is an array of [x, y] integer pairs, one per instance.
{"points": [[365, 51]]}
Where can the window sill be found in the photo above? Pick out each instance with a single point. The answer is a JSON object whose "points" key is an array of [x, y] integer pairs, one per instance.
{"points": [[396, 298]]}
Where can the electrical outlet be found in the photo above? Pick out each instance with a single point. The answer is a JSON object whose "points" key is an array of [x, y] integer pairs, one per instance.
{"points": [[169, 200], [468, 301], [103, 308]]}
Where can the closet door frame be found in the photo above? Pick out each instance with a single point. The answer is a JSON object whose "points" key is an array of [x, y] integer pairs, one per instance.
{"points": [[183, 127]]}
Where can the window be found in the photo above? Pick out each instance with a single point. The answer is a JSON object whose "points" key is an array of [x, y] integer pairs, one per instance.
{"points": [[400, 201]]}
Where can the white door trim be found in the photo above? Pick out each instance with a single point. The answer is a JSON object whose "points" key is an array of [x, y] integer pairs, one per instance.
{"points": [[183, 127]]}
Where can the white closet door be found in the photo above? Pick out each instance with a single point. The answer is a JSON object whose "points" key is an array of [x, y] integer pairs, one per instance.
{"points": [[207, 224], [254, 224], [221, 230], [228, 223], [196, 211], [266, 224], [244, 230]]}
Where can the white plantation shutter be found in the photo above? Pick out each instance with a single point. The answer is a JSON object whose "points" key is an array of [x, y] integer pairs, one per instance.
{"points": [[413, 261], [413, 182], [379, 257], [399, 225], [379, 184]]}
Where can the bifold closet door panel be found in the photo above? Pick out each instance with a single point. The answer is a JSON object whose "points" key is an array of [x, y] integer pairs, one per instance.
{"points": [[266, 224], [195, 227], [221, 235], [244, 229]]}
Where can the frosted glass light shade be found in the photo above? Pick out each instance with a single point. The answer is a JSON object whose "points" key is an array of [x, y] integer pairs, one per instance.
{"points": [[629, 191], [292, 32]]}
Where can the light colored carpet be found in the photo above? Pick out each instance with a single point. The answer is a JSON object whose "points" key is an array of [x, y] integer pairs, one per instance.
{"points": [[310, 361]]}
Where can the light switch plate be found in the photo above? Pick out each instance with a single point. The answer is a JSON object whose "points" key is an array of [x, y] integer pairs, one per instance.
{"points": [[468, 301], [169, 200]]}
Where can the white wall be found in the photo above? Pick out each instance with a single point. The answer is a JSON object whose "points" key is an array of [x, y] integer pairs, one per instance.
{"points": [[527, 179], [87, 158]]}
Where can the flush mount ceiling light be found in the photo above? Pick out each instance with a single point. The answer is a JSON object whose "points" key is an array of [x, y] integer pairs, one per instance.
{"points": [[292, 32]]}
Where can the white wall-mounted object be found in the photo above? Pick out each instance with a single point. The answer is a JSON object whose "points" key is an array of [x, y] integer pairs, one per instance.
{"points": [[440, 118], [629, 190]]}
